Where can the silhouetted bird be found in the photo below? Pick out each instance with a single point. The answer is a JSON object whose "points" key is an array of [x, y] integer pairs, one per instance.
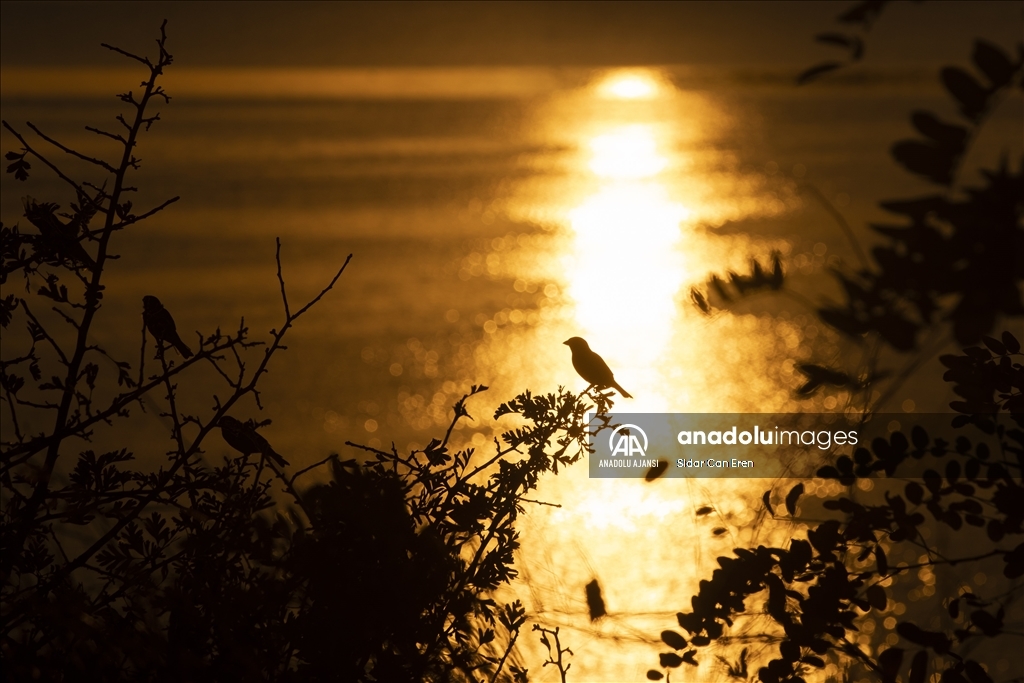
{"points": [[55, 237], [243, 437], [161, 325], [595, 602], [591, 366]]}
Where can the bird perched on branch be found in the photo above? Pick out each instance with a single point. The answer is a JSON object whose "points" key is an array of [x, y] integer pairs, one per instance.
{"points": [[161, 325], [243, 437], [56, 237], [591, 366]]}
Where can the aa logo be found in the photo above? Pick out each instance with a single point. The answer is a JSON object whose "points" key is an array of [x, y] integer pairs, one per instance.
{"points": [[626, 443]]}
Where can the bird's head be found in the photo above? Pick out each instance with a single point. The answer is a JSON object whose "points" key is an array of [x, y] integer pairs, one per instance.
{"points": [[575, 343], [151, 303], [229, 422]]}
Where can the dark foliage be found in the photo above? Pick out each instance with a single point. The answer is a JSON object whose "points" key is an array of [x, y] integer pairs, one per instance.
{"points": [[969, 248], [957, 259], [163, 566], [816, 590]]}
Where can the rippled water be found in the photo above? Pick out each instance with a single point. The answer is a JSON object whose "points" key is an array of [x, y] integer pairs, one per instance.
{"points": [[491, 218]]}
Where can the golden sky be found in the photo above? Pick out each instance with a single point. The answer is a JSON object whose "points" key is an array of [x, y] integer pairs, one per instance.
{"points": [[304, 34]]}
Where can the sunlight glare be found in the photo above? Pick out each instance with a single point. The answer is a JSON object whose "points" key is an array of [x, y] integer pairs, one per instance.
{"points": [[627, 152], [625, 268], [630, 86]]}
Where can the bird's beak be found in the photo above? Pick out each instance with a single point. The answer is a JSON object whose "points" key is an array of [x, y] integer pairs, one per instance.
{"points": [[566, 342]]}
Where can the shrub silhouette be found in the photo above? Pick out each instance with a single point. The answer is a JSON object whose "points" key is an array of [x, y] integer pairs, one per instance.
{"points": [[956, 259], [182, 569]]}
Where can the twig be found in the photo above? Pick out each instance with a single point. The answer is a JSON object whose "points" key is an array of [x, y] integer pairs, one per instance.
{"points": [[840, 221], [67, 150], [31, 150], [330, 457]]}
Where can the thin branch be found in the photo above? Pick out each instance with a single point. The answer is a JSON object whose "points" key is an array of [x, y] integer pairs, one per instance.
{"points": [[31, 150], [840, 221], [129, 55], [67, 150], [135, 219], [280, 279], [112, 136], [540, 502], [322, 293], [46, 335], [295, 476]]}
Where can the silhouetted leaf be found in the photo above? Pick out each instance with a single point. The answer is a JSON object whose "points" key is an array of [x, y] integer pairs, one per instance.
{"points": [[654, 472], [989, 625], [996, 346], [889, 662], [920, 437], [950, 137], [992, 62], [919, 667], [816, 71], [766, 499], [818, 375], [654, 675], [1014, 562], [1011, 343], [595, 602], [718, 531], [973, 98], [926, 159], [975, 673], [914, 492], [881, 561], [704, 510], [792, 497], [825, 537], [777, 277], [670, 660], [698, 299], [915, 634], [952, 471], [876, 596], [673, 640], [864, 12]]}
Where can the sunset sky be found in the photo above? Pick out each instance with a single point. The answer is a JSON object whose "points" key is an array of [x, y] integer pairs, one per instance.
{"points": [[509, 175], [462, 33]]}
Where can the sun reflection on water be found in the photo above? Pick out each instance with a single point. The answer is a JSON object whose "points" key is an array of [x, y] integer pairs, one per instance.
{"points": [[627, 152], [624, 266], [641, 84], [628, 229]]}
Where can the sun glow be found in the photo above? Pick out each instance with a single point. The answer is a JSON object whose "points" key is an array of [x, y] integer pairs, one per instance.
{"points": [[625, 268], [627, 152], [630, 86]]}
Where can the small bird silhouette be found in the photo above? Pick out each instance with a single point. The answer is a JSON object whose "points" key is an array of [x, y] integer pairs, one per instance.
{"points": [[591, 366], [57, 238], [243, 437], [161, 325]]}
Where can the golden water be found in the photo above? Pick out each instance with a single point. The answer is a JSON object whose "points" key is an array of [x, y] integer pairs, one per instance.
{"points": [[617, 191], [627, 238]]}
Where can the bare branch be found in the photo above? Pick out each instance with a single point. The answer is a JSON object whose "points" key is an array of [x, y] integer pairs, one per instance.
{"points": [[31, 150], [67, 150]]}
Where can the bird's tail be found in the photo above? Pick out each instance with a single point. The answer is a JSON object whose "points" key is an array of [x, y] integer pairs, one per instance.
{"points": [[270, 453], [183, 349], [625, 394]]}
